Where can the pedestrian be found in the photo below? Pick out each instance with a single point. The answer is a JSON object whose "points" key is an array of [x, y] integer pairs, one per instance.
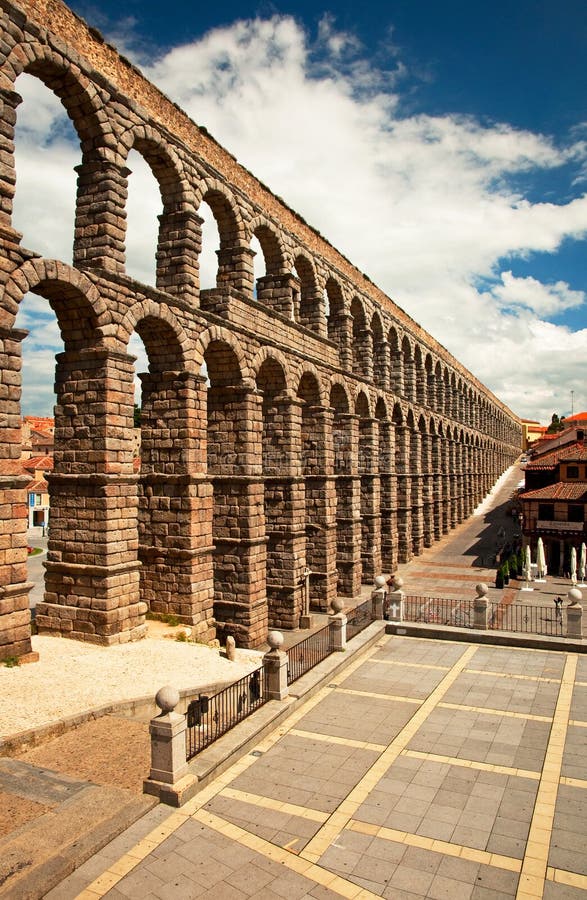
{"points": [[557, 607]]}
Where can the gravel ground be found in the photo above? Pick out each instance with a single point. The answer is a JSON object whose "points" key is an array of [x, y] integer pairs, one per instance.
{"points": [[72, 678]]}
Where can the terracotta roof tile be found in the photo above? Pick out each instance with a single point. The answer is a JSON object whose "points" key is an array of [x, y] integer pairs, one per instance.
{"points": [[562, 490], [550, 460], [38, 462]]}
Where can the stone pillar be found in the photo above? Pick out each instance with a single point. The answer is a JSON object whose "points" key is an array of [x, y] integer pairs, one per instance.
{"points": [[276, 665], [341, 331], [409, 378], [378, 595], [175, 501], [453, 478], [320, 499], [396, 371], [100, 222], [285, 516], [370, 505], [168, 749], [240, 555], [416, 492], [395, 601], [348, 505], [9, 101], [235, 267], [437, 477], [363, 353], [178, 253], [427, 491], [15, 617], [480, 607], [575, 615], [92, 578], [381, 365], [388, 497], [281, 293], [337, 625], [404, 503]]}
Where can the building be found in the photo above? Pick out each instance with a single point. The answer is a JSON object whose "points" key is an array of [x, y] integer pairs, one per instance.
{"points": [[554, 502], [37, 467], [531, 431]]}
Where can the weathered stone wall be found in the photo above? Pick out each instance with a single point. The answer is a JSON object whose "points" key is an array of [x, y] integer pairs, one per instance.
{"points": [[330, 431]]}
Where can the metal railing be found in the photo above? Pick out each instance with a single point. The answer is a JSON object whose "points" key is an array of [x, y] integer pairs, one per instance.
{"points": [[208, 718], [358, 618], [307, 653], [439, 611], [525, 618]]}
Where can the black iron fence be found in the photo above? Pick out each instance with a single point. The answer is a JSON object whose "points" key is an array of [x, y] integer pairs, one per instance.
{"points": [[439, 611], [358, 618], [525, 618], [208, 718], [307, 653]]}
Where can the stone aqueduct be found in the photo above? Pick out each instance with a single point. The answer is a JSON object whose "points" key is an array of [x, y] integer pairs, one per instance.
{"points": [[331, 431]]}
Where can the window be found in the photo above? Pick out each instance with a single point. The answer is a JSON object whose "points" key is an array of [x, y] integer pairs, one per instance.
{"points": [[572, 471], [546, 511], [38, 499], [576, 514]]}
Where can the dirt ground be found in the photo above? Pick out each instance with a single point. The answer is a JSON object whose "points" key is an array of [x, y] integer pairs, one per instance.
{"points": [[107, 751]]}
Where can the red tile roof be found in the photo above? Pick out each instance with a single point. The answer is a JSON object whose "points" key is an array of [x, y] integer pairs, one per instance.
{"points": [[562, 490], [550, 460], [37, 487], [45, 463]]}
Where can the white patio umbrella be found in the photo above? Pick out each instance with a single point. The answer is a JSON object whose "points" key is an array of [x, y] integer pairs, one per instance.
{"points": [[573, 565], [527, 569], [582, 564], [540, 561]]}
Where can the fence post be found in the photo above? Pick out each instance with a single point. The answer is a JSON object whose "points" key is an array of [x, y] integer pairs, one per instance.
{"points": [[575, 614], [167, 730], [275, 662], [395, 601], [480, 607], [378, 597], [338, 626]]}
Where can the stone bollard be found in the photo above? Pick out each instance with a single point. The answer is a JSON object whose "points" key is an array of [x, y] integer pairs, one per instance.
{"points": [[575, 615], [395, 601], [378, 597], [230, 648], [167, 730], [338, 626], [480, 607], [275, 662]]}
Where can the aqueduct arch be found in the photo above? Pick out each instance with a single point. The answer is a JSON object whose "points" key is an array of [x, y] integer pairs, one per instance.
{"points": [[314, 425]]}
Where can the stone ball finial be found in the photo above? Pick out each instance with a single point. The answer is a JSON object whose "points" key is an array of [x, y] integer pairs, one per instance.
{"points": [[575, 595], [481, 589], [167, 698], [379, 581], [398, 583], [275, 639], [337, 605]]}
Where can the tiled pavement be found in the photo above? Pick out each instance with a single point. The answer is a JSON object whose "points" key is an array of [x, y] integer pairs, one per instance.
{"points": [[426, 769]]}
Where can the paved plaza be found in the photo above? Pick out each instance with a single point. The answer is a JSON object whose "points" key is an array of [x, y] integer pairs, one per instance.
{"points": [[427, 769]]}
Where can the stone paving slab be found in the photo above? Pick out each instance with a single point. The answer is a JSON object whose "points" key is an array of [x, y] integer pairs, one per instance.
{"points": [[455, 801]]}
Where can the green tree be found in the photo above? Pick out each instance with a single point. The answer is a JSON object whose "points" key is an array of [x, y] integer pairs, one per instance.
{"points": [[137, 416], [556, 424]]}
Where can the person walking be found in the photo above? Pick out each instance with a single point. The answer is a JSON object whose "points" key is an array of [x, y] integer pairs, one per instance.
{"points": [[558, 609]]}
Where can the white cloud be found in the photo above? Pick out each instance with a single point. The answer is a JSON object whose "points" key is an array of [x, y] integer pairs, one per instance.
{"points": [[424, 204], [542, 299]]}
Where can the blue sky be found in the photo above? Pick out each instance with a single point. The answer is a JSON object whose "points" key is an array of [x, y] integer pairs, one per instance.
{"points": [[441, 147]]}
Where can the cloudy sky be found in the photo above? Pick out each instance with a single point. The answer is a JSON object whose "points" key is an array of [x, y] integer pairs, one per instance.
{"points": [[441, 147]]}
